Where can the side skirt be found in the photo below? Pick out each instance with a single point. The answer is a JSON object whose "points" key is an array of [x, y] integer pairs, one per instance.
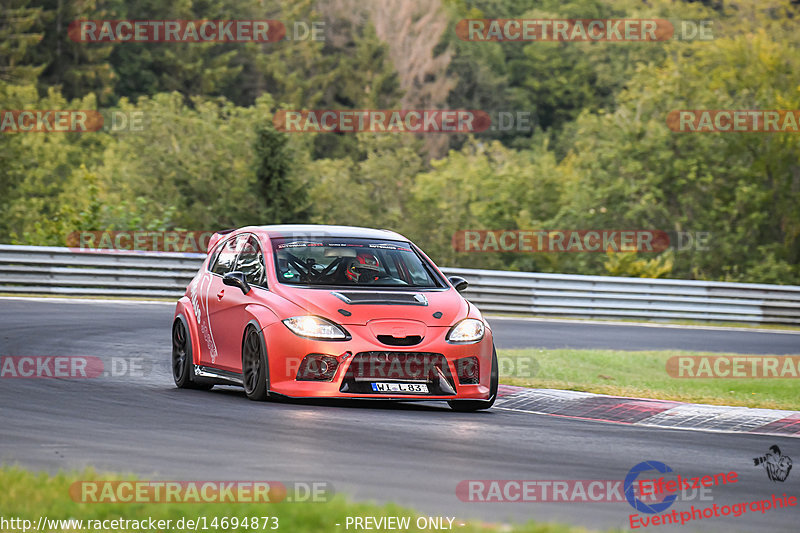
{"points": [[221, 377]]}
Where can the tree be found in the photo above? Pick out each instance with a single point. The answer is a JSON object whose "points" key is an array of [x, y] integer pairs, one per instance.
{"points": [[284, 200], [19, 34], [191, 69], [632, 171], [41, 172], [374, 189], [189, 166], [485, 186], [77, 68]]}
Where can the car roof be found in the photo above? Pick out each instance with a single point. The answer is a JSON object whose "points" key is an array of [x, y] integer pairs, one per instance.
{"points": [[321, 230]]}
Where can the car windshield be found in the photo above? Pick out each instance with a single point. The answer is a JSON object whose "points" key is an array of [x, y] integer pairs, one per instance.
{"points": [[350, 262]]}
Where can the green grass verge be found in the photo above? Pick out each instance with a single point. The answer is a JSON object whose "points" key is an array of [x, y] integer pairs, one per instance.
{"points": [[639, 374], [30, 496]]}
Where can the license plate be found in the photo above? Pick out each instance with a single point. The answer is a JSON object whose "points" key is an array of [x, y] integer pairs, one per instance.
{"points": [[408, 388]]}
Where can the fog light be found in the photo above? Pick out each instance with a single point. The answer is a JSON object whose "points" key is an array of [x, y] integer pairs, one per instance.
{"points": [[468, 370], [317, 367]]}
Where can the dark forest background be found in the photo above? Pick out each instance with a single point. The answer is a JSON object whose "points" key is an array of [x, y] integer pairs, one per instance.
{"points": [[600, 154]]}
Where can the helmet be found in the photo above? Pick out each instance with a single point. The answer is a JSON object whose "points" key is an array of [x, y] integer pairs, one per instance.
{"points": [[363, 267]]}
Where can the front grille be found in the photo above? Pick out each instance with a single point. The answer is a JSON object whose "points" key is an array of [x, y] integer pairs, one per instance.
{"points": [[366, 368], [410, 340]]}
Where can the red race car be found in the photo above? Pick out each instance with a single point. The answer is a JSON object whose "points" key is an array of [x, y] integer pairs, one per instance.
{"points": [[307, 311]]}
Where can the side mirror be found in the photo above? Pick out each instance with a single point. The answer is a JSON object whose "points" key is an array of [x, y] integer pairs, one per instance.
{"points": [[459, 283], [236, 279]]}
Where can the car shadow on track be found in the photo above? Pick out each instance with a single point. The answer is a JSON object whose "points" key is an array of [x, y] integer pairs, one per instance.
{"points": [[392, 405]]}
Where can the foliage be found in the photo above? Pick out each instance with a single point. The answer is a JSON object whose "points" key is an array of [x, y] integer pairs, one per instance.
{"points": [[41, 173], [283, 198], [628, 264], [192, 163], [600, 156]]}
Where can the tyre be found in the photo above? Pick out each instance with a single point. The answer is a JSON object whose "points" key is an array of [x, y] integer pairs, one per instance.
{"points": [[478, 405], [255, 372], [182, 360]]}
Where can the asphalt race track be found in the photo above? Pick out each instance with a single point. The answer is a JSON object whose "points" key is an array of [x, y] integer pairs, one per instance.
{"points": [[411, 454]]}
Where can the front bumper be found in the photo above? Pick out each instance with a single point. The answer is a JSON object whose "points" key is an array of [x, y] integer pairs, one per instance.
{"points": [[285, 352]]}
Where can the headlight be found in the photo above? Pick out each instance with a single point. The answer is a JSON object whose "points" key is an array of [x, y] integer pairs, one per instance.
{"points": [[314, 327], [468, 330]]}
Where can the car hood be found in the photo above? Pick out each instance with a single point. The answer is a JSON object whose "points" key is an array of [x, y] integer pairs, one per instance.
{"points": [[358, 307]]}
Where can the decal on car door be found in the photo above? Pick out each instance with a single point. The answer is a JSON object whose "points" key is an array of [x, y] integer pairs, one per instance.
{"points": [[200, 306]]}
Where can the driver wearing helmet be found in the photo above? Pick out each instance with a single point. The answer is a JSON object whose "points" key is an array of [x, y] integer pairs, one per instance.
{"points": [[364, 268]]}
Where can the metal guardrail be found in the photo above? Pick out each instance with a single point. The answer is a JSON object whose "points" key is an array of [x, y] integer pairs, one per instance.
{"points": [[50, 270], [62, 271], [616, 297]]}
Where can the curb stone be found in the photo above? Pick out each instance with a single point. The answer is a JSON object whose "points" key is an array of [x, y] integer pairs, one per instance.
{"points": [[647, 412]]}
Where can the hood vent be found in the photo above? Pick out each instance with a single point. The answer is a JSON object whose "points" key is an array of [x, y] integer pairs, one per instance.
{"points": [[381, 298]]}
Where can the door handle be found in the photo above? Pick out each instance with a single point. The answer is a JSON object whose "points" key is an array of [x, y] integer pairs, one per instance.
{"points": [[220, 294]]}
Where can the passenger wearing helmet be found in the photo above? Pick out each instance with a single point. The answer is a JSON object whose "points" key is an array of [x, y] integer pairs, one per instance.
{"points": [[363, 268]]}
